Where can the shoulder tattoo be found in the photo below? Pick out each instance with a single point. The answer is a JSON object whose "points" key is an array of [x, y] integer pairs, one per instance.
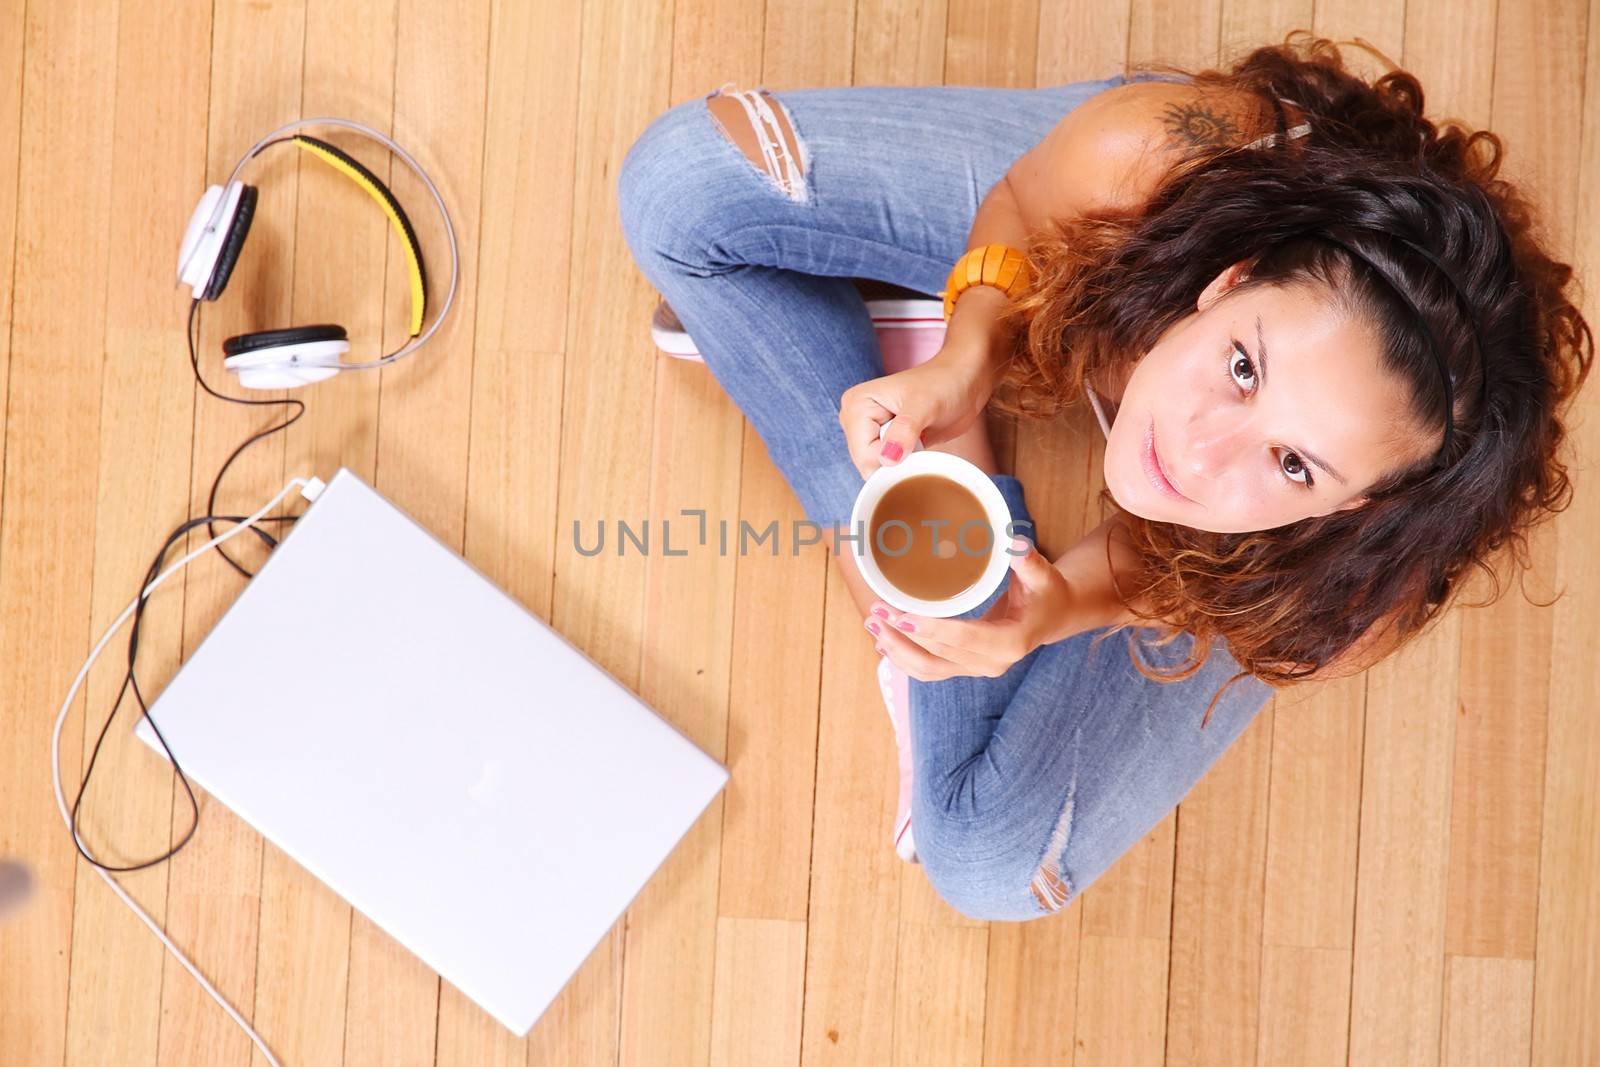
{"points": [[1197, 124]]}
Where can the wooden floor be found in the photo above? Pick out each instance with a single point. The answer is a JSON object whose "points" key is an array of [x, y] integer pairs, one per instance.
{"points": [[1400, 868]]}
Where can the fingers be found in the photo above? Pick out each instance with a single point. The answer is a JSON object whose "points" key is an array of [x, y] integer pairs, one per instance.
{"points": [[954, 653], [978, 645], [900, 438], [919, 630], [860, 415], [913, 651], [865, 409], [909, 656]]}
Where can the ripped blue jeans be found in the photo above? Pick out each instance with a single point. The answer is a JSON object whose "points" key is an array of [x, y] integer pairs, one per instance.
{"points": [[1028, 786]]}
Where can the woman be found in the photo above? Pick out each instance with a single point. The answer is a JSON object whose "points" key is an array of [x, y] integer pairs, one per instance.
{"points": [[1327, 351]]}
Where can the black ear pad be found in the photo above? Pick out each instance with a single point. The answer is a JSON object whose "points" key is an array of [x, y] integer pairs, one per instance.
{"points": [[294, 335], [233, 244]]}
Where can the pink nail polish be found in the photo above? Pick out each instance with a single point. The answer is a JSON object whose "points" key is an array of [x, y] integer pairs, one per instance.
{"points": [[879, 649], [891, 451], [905, 624], [874, 627], [881, 612]]}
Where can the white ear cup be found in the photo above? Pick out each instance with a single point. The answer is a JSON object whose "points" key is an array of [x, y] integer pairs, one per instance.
{"points": [[288, 366], [202, 244]]}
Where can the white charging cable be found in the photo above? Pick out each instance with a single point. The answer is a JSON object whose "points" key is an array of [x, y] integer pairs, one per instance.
{"points": [[310, 488]]}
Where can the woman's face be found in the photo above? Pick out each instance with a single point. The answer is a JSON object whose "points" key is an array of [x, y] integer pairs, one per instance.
{"points": [[1238, 398]]}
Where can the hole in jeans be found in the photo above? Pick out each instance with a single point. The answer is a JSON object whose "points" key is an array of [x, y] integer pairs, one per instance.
{"points": [[1050, 886], [765, 134]]}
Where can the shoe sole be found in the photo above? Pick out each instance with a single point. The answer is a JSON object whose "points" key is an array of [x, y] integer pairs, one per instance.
{"points": [[886, 313], [905, 845]]}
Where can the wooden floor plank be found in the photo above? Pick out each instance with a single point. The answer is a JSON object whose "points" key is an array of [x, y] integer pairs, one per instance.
{"points": [[1305, 1004], [774, 807], [1031, 1004], [1567, 959], [1488, 1011], [1122, 993], [146, 428], [11, 61], [1308, 918], [1397, 984], [760, 974], [1315, 811], [1214, 978], [1566, 979], [861, 893], [48, 521], [1133, 898], [1567, 952], [941, 977], [668, 990], [767, 850], [698, 425]]}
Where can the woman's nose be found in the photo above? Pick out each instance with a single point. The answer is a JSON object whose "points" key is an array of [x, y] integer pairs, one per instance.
{"points": [[1214, 442]]}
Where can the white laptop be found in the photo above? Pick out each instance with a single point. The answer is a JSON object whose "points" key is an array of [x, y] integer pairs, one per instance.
{"points": [[433, 751]]}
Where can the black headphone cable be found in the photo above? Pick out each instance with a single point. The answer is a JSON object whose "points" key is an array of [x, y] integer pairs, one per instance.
{"points": [[130, 679]]}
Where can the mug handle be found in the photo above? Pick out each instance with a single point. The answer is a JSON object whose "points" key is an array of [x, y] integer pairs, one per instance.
{"points": [[884, 428]]}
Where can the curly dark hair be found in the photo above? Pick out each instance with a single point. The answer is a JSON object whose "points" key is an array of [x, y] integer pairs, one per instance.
{"points": [[1321, 596]]}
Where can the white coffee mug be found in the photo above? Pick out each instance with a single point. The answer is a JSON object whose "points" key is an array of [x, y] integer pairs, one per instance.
{"points": [[996, 514]]}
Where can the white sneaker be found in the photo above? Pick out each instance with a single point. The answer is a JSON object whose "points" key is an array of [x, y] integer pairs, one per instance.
{"points": [[669, 334], [919, 315], [893, 683]]}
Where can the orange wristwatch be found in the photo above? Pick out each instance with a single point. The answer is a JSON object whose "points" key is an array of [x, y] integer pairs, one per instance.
{"points": [[998, 265]]}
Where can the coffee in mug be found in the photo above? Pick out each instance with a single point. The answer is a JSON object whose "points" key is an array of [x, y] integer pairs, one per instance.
{"points": [[930, 537], [931, 534]]}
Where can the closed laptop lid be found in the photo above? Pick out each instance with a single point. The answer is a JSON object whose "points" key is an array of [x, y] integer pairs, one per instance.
{"points": [[433, 751]]}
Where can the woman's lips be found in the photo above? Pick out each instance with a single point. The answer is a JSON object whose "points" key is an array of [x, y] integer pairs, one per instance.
{"points": [[1153, 469]]}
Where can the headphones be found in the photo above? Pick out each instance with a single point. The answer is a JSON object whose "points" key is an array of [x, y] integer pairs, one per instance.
{"points": [[300, 355]]}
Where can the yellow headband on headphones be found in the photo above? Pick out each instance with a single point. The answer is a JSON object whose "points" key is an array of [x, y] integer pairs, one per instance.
{"points": [[375, 188]]}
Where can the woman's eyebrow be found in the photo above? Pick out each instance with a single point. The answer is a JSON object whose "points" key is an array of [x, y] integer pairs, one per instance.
{"points": [[1261, 358]]}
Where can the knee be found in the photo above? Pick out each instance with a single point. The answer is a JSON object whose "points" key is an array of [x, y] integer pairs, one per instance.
{"points": [[685, 197], [659, 187], [997, 855], [982, 876], [760, 126]]}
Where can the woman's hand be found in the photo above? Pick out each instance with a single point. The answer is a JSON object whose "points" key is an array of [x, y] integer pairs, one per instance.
{"points": [[1035, 610], [934, 401]]}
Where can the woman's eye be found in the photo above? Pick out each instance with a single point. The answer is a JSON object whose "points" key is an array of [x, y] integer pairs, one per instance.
{"points": [[1296, 470], [1243, 372], [1240, 368]]}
